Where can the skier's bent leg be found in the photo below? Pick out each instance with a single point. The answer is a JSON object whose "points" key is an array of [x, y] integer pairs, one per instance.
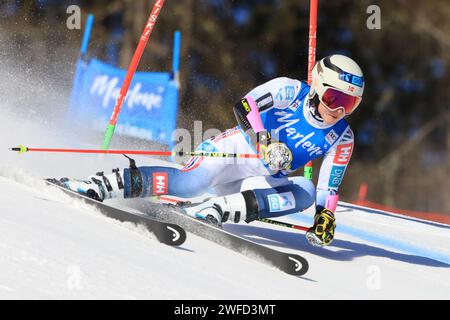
{"points": [[288, 199], [256, 204], [150, 181], [140, 182]]}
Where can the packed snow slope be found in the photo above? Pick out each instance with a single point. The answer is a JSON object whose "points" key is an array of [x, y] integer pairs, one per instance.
{"points": [[52, 246]]}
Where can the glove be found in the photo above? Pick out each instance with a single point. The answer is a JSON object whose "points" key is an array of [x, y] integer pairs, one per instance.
{"points": [[322, 232], [277, 156]]}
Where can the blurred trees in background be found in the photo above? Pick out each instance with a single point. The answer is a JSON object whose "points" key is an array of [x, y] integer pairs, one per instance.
{"points": [[402, 126]]}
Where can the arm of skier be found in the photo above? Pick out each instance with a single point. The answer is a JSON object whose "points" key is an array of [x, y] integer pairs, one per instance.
{"points": [[331, 175], [333, 168], [277, 93]]}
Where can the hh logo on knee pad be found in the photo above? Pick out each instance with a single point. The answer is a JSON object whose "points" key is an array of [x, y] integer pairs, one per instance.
{"points": [[281, 202], [160, 183]]}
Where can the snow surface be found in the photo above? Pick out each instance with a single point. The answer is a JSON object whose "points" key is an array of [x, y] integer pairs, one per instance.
{"points": [[54, 247]]}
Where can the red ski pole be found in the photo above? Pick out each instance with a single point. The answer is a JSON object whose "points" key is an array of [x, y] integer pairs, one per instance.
{"points": [[131, 71]]}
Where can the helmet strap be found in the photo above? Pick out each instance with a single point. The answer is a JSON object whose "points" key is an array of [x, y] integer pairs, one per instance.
{"points": [[314, 107]]}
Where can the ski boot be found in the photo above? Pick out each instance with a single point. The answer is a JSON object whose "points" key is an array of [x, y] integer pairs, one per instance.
{"points": [[218, 210], [98, 187]]}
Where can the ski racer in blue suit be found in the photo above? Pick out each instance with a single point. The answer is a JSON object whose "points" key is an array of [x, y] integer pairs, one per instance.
{"points": [[286, 120]]}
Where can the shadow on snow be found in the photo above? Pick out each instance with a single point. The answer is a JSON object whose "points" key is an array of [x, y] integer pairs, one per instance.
{"points": [[348, 250]]}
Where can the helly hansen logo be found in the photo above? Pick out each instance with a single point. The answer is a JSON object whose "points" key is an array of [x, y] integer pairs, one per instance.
{"points": [[160, 183], [343, 154]]}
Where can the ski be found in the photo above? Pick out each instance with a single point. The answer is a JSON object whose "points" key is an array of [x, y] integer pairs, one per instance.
{"points": [[169, 225], [167, 233], [290, 263]]}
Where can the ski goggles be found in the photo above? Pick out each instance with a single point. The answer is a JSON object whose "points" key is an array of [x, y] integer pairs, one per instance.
{"points": [[334, 99]]}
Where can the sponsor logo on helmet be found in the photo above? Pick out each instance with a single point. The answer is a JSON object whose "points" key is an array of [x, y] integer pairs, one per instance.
{"points": [[351, 78]]}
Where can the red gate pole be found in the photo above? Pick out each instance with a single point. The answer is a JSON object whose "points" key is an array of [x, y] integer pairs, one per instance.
{"points": [[308, 169], [131, 71]]}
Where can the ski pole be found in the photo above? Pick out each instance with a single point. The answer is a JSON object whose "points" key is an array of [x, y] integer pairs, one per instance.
{"points": [[284, 224], [131, 71], [23, 149]]}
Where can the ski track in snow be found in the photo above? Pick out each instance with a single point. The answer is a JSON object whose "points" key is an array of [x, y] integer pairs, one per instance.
{"points": [[52, 246]]}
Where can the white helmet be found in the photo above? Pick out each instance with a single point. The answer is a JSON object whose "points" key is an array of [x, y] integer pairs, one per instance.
{"points": [[337, 82]]}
